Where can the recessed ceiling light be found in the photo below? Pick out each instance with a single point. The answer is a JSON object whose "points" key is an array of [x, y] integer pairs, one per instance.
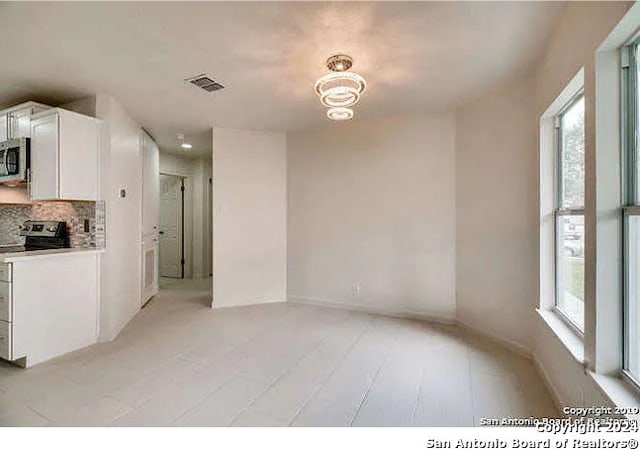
{"points": [[186, 145]]}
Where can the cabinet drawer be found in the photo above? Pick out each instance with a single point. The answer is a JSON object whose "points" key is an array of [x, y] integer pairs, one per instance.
{"points": [[6, 350], [5, 301], [5, 272]]}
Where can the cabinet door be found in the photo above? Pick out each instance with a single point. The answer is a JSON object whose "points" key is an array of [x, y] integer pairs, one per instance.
{"points": [[6, 346], [78, 157], [44, 158], [21, 123], [5, 301], [3, 128]]}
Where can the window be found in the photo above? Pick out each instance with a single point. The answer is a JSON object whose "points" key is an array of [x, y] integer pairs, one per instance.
{"points": [[631, 210], [569, 212]]}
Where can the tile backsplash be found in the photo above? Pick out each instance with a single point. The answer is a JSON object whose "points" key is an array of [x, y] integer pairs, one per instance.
{"points": [[74, 213]]}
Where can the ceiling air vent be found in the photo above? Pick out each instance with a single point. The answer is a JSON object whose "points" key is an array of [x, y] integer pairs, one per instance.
{"points": [[204, 82]]}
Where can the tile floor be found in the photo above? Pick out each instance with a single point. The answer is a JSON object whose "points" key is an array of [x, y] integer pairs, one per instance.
{"points": [[180, 363], [203, 284]]}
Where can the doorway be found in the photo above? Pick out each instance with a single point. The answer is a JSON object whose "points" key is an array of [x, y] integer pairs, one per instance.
{"points": [[171, 226]]}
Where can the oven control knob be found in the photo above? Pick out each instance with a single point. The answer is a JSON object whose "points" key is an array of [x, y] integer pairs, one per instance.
{"points": [[52, 229]]}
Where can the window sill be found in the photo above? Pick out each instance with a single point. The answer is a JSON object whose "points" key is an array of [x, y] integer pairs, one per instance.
{"points": [[567, 336], [617, 390]]}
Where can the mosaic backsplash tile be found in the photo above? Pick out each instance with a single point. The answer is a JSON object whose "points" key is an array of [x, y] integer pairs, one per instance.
{"points": [[74, 213]]}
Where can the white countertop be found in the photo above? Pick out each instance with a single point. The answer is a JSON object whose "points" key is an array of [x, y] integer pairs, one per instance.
{"points": [[29, 255]]}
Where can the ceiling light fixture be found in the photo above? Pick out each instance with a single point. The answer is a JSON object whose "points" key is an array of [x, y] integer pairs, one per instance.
{"points": [[340, 89], [340, 114], [183, 143]]}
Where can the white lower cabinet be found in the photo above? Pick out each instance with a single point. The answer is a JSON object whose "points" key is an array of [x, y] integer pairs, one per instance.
{"points": [[5, 272], [5, 301], [5, 341], [50, 306], [5, 312]]}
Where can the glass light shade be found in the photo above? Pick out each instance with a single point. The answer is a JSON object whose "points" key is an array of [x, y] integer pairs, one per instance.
{"points": [[340, 79], [340, 114], [340, 96]]}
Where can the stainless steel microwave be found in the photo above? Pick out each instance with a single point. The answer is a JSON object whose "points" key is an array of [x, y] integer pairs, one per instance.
{"points": [[14, 160]]}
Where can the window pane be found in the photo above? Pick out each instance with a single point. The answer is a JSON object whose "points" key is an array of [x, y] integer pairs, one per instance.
{"points": [[570, 267], [572, 122], [633, 295]]}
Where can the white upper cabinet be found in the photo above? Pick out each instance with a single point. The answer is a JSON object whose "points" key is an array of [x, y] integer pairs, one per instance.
{"points": [[15, 122], [65, 149], [4, 130]]}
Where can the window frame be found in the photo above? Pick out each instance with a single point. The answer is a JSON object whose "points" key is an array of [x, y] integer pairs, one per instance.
{"points": [[629, 92], [559, 211]]}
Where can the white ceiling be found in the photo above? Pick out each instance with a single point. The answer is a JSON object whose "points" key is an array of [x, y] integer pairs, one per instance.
{"points": [[416, 57]]}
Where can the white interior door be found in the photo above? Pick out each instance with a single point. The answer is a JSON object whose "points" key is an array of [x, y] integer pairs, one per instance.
{"points": [[170, 226]]}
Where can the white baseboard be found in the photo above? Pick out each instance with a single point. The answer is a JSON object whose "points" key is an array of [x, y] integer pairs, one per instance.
{"points": [[395, 313], [513, 346], [555, 396], [247, 303]]}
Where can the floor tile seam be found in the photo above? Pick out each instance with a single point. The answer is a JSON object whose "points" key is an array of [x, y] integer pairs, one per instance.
{"points": [[368, 325]]}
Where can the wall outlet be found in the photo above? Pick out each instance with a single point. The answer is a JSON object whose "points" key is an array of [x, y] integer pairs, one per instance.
{"points": [[355, 289]]}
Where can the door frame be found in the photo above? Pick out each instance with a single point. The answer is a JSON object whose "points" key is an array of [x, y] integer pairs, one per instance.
{"points": [[182, 256]]}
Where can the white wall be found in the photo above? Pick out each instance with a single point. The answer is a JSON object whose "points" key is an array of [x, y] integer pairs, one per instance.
{"points": [[498, 200], [121, 168], [497, 213], [250, 218], [202, 250], [374, 203]]}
